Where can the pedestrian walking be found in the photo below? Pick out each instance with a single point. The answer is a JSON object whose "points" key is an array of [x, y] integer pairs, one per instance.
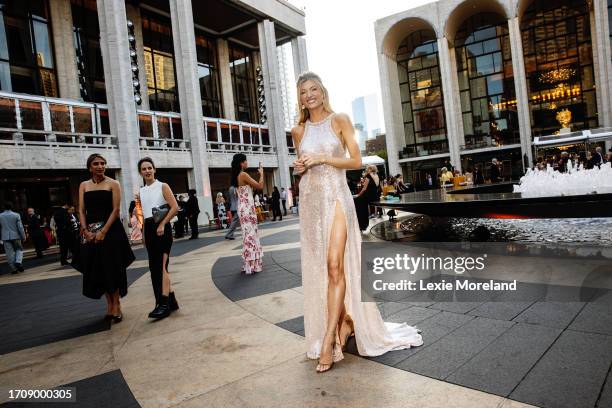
{"points": [[12, 234]]}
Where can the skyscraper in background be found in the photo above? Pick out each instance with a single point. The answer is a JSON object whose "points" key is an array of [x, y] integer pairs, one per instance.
{"points": [[287, 85], [366, 118]]}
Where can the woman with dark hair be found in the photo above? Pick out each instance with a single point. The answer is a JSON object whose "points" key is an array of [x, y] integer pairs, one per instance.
{"points": [[105, 252], [276, 204], [252, 252], [158, 207]]}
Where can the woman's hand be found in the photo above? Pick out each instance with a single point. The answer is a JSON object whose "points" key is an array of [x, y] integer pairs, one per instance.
{"points": [[160, 229], [298, 166], [99, 236], [260, 169], [89, 236], [310, 161]]}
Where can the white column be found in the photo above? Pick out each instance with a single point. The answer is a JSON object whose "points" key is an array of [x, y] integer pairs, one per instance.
{"points": [[120, 95], [520, 85], [225, 77], [274, 105], [392, 110], [133, 13], [300, 57], [65, 54], [452, 101], [183, 35], [600, 40]]}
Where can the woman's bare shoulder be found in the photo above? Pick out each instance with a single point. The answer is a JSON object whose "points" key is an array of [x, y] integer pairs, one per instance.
{"points": [[341, 119], [297, 130]]}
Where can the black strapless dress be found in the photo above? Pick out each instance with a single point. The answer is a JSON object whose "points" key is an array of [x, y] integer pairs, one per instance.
{"points": [[104, 264]]}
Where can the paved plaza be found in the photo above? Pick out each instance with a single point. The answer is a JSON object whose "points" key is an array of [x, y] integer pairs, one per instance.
{"points": [[238, 341]]}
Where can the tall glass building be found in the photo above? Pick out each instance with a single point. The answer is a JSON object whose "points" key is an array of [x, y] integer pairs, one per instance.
{"points": [[472, 80], [177, 80]]}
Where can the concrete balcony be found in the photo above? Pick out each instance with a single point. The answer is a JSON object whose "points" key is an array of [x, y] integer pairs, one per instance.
{"points": [[43, 133]]}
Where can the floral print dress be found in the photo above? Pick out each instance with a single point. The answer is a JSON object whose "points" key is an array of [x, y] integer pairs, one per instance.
{"points": [[252, 252]]}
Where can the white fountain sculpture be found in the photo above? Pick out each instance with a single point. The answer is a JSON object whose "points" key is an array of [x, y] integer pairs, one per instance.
{"points": [[576, 181]]}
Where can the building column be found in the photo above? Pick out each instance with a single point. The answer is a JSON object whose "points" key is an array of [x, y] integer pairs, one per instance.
{"points": [[452, 101], [133, 14], [274, 103], [392, 110], [520, 85], [225, 77], [192, 120], [600, 40], [120, 95], [300, 57], [65, 54]]}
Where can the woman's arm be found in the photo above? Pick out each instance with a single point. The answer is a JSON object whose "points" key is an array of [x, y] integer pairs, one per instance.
{"points": [[114, 215], [341, 124], [246, 179], [171, 200], [364, 188], [82, 218], [297, 133]]}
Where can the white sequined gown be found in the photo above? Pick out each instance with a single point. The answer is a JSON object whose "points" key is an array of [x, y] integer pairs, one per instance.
{"points": [[321, 187]]}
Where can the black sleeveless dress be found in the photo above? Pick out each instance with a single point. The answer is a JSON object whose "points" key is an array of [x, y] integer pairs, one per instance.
{"points": [[362, 204], [104, 264]]}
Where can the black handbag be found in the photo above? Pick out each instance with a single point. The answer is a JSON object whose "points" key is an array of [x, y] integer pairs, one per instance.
{"points": [[159, 213]]}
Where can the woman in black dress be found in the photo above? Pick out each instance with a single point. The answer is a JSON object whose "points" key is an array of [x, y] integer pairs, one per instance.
{"points": [[105, 252], [276, 204], [368, 194]]}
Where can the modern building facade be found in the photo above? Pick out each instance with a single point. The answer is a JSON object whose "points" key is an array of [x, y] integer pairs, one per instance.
{"points": [[365, 115], [176, 80], [469, 80]]}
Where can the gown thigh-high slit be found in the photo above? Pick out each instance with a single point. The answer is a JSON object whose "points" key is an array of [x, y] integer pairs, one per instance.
{"points": [[323, 187]]}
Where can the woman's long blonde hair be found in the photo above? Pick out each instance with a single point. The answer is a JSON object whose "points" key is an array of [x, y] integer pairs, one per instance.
{"points": [[311, 76]]}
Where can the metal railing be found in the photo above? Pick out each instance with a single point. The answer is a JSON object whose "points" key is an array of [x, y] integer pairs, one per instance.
{"points": [[44, 121], [482, 142], [161, 131], [223, 135]]}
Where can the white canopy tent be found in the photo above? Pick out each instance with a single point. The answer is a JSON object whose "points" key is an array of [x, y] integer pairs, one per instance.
{"points": [[375, 160]]}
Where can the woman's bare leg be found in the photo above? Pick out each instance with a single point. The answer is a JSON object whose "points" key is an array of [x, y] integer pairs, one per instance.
{"points": [[336, 286], [165, 277], [109, 303]]}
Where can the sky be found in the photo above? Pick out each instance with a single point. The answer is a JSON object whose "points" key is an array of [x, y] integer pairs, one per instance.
{"points": [[341, 46]]}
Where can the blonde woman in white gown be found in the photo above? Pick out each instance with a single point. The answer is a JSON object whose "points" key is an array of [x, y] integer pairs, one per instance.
{"points": [[333, 310]]}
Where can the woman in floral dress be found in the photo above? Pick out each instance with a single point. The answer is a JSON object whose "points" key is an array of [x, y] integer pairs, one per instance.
{"points": [[252, 253]]}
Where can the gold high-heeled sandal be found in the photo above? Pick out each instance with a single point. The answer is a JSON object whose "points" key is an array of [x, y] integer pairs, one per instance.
{"points": [[345, 333], [331, 363]]}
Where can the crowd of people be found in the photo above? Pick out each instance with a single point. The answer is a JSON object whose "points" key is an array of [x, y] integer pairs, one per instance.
{"points": [[583, 159]]}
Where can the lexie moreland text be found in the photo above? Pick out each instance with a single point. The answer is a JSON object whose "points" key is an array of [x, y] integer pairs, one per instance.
{"points": [[457, 285], [412, 264]]}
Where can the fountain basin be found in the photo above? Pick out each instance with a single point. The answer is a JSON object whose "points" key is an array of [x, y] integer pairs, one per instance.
{"points": [[498, 201]]}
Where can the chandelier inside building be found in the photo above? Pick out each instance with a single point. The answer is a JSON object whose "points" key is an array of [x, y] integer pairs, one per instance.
{"points": [[557, 75]]}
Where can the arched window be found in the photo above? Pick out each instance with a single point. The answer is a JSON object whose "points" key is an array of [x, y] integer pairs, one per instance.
{"points": [[421, 95], [559, 64], [486, 82]]}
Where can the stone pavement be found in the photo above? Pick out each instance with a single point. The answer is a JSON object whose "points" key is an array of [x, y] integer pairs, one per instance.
{"points": [[237, 341]]}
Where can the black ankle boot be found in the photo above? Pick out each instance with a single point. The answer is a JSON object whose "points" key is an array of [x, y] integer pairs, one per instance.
{"points": [[162, 310], [172, 302]]}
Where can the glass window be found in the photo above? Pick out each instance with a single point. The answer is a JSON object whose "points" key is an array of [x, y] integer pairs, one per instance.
{"points": [[87, 46], [243, 83], [159, 62], [26, 48], [208, 74], [421, 95], [559, 68], [490, 77]]}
